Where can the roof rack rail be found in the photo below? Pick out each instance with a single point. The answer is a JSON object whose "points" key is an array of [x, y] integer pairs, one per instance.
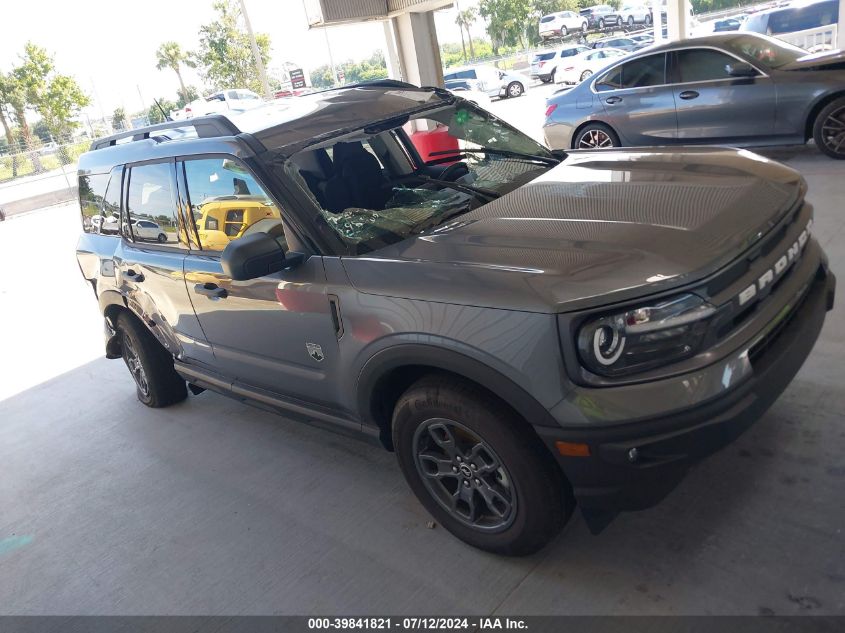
{"points": [[209, 126]]}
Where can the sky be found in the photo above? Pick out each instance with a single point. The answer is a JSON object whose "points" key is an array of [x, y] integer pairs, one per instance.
{"points": [[109, 46]]}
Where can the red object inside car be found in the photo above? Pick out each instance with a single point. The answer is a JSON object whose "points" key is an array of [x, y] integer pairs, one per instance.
{"points": [[436, 140]]}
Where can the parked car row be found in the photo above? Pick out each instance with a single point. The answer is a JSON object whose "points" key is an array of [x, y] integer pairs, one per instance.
{"points": [[576, 62], [740, 89]]}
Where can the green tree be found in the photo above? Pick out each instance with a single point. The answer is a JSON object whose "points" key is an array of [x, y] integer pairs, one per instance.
{"points": [[225, 55], [155, 115], [60, 102], [56, 97], [507, 21], [7, 88], [464, 20], [191, 94], [374, 67], [170, 55], [118, 119]]}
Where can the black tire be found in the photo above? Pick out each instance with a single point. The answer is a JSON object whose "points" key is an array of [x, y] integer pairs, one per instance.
{"points": [[552, 76], [630, 21], [598, 132], [584, 27], [151, 366], [162, 237], [586, 75], [619, 21], [512, 468], [648, 20], [829, 129], [564, 31], [601, 24], [514, 89]]}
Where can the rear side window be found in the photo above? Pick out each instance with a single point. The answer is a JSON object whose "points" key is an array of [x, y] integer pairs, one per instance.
{"points": [[548, 18], [152, 199], [639, 73], [92, 193], [541, 57]]}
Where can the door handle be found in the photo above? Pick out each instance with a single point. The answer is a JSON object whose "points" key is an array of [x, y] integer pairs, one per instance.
{"points": [[612, 100], [131, 275], [210, 290], [688, 94]]}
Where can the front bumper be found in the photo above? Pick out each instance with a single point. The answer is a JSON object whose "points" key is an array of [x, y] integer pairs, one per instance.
{"points": [[635, 465]]}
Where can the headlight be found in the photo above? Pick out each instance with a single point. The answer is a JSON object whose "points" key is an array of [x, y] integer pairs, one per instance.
{"points": [[644, 337]]}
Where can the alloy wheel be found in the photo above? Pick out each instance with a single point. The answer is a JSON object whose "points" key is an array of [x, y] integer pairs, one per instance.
{"points": [[595, 139], [133, 362], [514, 90], [464, 475], [833, 131]]}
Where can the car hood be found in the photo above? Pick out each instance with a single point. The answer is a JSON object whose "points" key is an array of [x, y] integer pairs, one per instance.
{"points": [[817, 60], [603, 226]]}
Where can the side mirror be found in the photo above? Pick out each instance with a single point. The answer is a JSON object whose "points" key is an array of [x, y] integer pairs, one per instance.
{"points": [[254, 256], [741, 69]]}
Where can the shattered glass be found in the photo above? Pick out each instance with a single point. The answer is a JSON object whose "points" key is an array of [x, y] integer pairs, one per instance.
{"points": [[406, 209]]}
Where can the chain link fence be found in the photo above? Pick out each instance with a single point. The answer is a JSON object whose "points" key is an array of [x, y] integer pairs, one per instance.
{"points": [[38, 174]]}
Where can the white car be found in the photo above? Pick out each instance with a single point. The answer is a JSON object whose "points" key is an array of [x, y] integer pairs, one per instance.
{"points": [[489, 79], [464, 89], [147, 230], [544, 65], [225, 100], [630, 14], [562, 24], [581, 66]]}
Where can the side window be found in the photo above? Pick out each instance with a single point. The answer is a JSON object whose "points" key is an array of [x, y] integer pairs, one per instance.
{"points": [[233, 94], [611, 81], [92, 192], [644, 72], [151, 198], [227, 202], [703, 64]]}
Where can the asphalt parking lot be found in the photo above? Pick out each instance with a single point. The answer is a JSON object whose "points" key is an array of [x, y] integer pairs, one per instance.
{"points": [[213, 507]]}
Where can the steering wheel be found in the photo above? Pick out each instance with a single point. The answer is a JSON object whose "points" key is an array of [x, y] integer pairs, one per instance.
{"points": [[454, 171]]}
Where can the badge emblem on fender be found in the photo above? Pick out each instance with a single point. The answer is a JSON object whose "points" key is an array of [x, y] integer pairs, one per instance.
{"points": [[315, 351]]}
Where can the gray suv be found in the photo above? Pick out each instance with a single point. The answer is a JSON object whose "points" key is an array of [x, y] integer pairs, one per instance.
{"points": [[527, 330]]}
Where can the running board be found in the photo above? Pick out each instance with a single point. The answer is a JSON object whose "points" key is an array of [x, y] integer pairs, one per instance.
{"points": [[262, 399]]}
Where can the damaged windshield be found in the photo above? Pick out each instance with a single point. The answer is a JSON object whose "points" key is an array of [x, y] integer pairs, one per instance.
{"points": [[391, 180]]}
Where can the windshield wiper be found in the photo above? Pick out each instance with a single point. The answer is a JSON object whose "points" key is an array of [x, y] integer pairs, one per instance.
{"points": [[548, 160], [435, 220], [471, 189]]}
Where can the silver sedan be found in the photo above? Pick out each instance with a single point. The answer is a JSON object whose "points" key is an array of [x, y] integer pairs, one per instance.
{"points": [[738, 89]]}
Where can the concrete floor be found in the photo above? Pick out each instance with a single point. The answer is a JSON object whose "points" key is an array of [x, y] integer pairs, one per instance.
{"points": [[213, 507]]}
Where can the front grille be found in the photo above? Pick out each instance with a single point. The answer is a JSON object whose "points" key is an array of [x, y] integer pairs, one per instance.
{"points": [[759, 349]]}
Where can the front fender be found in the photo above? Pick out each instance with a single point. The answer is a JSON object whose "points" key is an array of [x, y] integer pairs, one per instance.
{"points": [[406, 354]]}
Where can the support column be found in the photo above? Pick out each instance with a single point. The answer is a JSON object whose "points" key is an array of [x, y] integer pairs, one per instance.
{"points": [[677, 20], [657, 20], [394, 67], [417, 50]]}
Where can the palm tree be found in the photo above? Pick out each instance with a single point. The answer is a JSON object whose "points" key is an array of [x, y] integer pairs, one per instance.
{"points": [[464, 20], [170, 55]]}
